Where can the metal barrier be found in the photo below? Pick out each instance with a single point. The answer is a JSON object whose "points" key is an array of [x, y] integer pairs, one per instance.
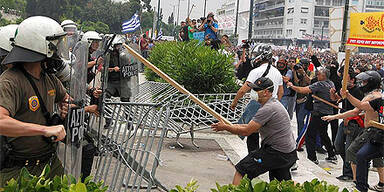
{"points": [[186, 116], [129, 151]]}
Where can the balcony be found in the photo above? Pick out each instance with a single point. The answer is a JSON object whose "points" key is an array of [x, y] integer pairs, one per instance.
{"points": [[261, 27], [270, 7]]}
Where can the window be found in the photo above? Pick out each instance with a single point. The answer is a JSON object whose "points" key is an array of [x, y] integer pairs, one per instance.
{"points": [[304, 9], [291, 10], [289, 32], [289, 21], [303, 21], [302, 31]]}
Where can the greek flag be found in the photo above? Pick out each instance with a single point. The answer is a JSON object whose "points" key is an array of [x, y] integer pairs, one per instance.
{"points": [[131, 25], [160, 35]]}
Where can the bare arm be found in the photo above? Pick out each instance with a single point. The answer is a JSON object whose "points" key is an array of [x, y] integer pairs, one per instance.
{"points": [[240, 93], [303, 90], [11, 127], [350, 113], [238, 129], [280, 92], [362, 105]]}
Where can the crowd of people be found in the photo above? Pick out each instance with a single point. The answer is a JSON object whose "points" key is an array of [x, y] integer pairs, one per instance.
{"points": [[309, 82], [282, 83]]}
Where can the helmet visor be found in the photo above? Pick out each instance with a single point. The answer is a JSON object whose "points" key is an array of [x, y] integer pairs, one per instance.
{"points": [[63, 47]]}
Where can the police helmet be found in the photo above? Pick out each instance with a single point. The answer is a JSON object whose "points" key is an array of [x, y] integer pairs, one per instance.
{"points": [[36, 39]]}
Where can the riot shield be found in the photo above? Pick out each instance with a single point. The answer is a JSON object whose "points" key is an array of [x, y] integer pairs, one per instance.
{"points": [[75, 125], [129, 74], [72, 40]]}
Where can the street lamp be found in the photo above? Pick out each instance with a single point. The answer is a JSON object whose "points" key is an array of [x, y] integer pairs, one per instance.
{"points": [[205, 7]]}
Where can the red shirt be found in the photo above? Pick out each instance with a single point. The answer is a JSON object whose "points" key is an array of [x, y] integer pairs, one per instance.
{"points": [[143, 44]]}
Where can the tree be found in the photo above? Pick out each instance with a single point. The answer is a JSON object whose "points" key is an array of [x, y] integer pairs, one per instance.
{"points": [[171, 19]]}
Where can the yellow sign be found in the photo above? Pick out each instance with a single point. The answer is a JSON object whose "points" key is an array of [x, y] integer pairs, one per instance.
{"points": [[367, 30]]}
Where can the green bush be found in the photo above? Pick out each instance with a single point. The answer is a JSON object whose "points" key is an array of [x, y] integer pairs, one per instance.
{"points": [[257, 185], [30, 183], [198, 68]]}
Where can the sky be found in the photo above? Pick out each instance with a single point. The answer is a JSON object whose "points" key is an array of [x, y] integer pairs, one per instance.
{"points": [[198, 11]]}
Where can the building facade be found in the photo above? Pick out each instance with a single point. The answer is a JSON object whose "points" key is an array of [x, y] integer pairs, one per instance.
{"points": [[226, 15]]}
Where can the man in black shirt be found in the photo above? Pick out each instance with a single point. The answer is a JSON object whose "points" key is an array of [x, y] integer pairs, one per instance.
{"points": [[349, 129], [317, 126]]}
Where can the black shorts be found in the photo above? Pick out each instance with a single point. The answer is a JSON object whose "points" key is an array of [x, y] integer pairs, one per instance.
{"points": [[263, 160]]}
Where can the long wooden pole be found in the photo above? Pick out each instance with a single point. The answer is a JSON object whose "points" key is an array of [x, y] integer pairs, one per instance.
{"points": [[376, 124], [326, 102], [177, 85], [346, 69]]}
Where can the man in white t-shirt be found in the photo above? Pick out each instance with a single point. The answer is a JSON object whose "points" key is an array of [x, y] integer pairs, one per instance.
{"points": [[263, 56]]}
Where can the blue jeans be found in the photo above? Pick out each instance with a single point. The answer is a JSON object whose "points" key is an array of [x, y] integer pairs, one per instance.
{"points": [[301, 113], [342, 142], [249, 112], [289, 104], [368, 152]]}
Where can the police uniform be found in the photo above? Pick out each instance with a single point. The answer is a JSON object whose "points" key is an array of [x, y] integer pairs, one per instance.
{"points": [[20, 99], [118, 86]]}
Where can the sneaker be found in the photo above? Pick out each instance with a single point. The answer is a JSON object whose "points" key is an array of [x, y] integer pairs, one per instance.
{"points": [[376, 188], [321, 150], [315, 161], [294, 167], [333, 158], [344, 178]]}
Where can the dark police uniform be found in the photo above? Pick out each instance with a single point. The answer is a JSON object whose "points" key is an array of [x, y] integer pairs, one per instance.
{"points": [[19, 98]]}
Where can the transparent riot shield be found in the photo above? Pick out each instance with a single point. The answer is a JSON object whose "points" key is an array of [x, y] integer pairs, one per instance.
{"points": [[72, 40], [129, 73], [75, 124]]}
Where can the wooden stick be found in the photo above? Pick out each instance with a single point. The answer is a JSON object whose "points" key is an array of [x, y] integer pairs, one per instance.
{"points": [[376, 124], [346, 69], [326, 102], [177, 85]]}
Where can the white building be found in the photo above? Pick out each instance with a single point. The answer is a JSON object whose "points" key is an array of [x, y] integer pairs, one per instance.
{"points": [[226, 16], [300, 21]]}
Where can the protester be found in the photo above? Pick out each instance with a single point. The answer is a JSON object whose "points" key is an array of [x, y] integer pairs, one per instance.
{"points": [[356, 153], [289, 96], [349, 128], [320, 109], [144, 46], [301, 78], [265, 69], [277, 153]]}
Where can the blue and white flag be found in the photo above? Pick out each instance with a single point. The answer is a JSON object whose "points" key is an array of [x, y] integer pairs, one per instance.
{"points": [[132, 25], [160, 35]]}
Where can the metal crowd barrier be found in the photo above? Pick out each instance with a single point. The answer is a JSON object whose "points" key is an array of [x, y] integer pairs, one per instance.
{"points": [[129, 151], [186, 116]]}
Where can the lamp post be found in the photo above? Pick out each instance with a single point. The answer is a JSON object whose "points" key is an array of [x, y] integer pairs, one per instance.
{"points": [[205, 7], [344, 31], [178, 13], [158, 16], [250, 21], [237, 15]]}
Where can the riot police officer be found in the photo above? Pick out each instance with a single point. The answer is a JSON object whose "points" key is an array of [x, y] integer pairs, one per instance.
{"points": [[6, 33], [122, 66], [38, 44]]}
